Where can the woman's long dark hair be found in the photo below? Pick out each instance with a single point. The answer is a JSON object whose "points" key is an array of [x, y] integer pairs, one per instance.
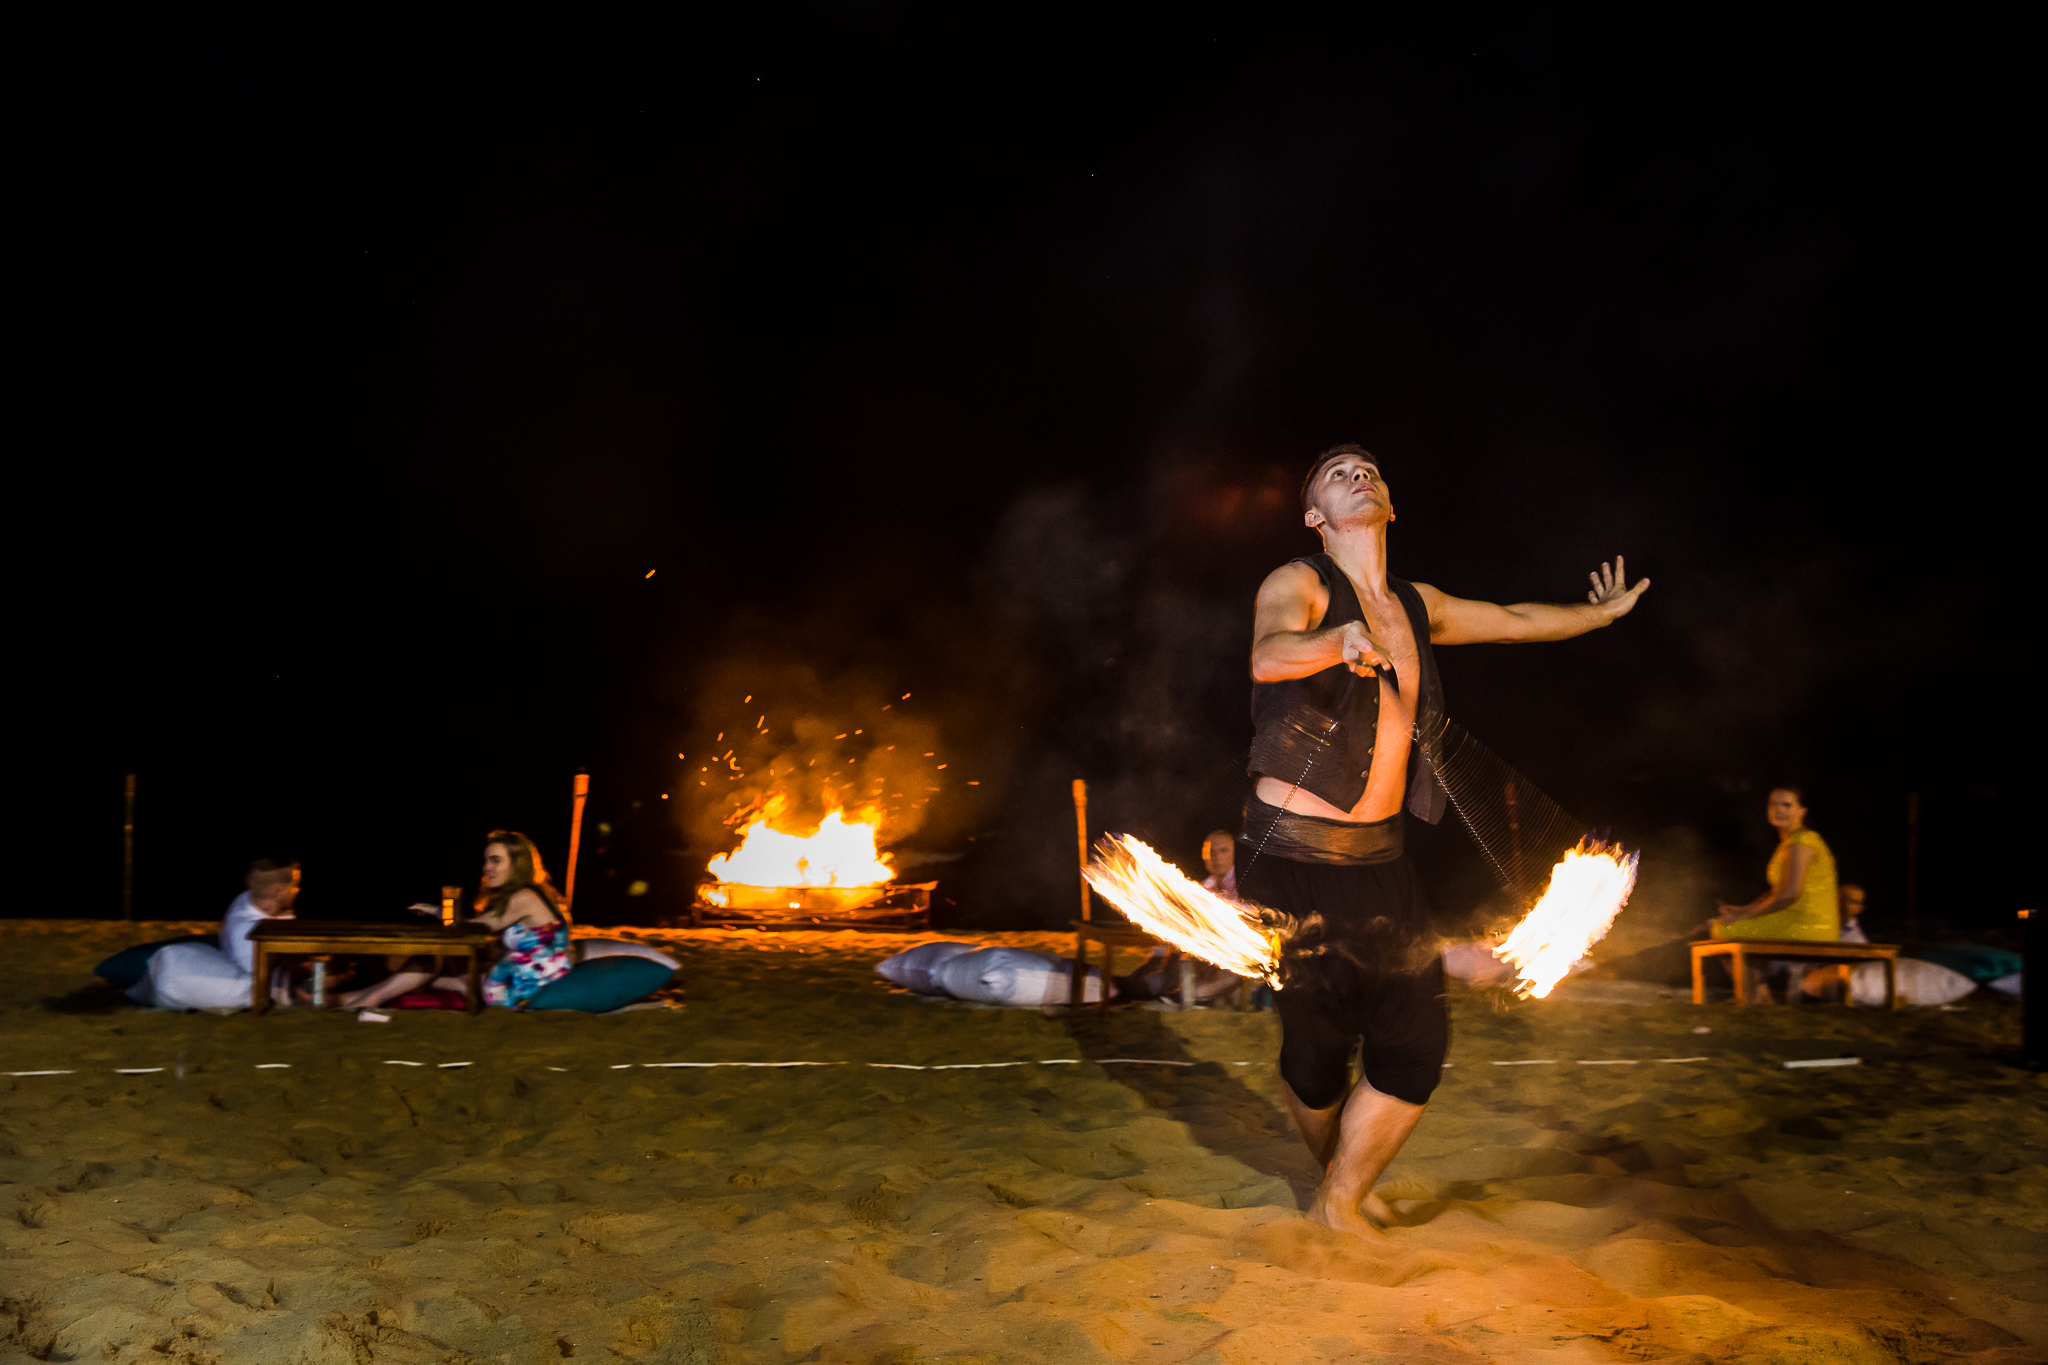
{"points": [[527, 875]]}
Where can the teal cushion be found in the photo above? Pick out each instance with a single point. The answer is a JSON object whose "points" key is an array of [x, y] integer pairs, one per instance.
{"points": [[602, 983], [128, 966]]}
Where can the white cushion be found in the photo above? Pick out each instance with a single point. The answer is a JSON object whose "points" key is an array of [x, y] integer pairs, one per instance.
{"points": [[619, 947], [1920, 983], [1014, 976], [192, 976], [916, 969]]}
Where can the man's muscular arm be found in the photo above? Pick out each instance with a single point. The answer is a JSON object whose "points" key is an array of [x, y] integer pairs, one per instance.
{"points": [[1456, 621], [1283, 645]]}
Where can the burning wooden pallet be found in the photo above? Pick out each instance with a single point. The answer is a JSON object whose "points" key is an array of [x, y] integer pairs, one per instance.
{"points": [[891, 905]]}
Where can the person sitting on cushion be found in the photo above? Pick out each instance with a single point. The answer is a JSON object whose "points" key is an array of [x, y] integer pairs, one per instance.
{"points": [[1158, 975], [515, 898], [273, 888], [200, 976]]}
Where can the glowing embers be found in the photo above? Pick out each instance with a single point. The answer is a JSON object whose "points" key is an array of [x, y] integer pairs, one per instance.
{"points": [[1165, 902], [832, 876], [838, 854], [1586, 892]]}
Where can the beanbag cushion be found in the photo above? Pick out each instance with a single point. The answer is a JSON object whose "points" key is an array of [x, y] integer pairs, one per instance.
{"points": [[619, 947], [1014, 976], [192, 976], [602, 983], [916, 969], [1974, 960], [126, 967], [1920, 983]]}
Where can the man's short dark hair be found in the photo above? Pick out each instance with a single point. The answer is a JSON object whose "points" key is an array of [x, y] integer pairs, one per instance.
{"points": [[1334, 452]]}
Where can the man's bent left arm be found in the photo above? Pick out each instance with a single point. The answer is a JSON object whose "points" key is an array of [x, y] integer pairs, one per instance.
{"points": [[1457, 621]]}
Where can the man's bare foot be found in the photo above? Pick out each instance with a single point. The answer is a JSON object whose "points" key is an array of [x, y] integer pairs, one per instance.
{"points": [[1341, 1215], [1377, 1210]]}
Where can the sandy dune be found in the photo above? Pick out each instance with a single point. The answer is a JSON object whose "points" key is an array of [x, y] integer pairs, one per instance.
{"points": [[281, 1191]]}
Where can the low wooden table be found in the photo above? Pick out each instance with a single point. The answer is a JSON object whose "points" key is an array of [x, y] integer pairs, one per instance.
{"points": [[1739, 950], [1112, 935], [352, 936]]}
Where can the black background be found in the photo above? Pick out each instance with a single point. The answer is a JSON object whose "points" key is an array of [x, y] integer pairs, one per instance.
{"points": [[978, 357]]}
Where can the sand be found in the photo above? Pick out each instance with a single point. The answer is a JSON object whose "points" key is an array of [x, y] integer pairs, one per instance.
{"points": [[280, 1191]]}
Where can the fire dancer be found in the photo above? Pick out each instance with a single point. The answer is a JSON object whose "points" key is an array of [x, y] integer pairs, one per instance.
{"points": [[1343, 676]]}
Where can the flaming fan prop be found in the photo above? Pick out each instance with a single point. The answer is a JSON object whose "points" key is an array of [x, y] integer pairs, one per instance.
{"points": [[1587, 890], [1517, 827], [1165, 902]]}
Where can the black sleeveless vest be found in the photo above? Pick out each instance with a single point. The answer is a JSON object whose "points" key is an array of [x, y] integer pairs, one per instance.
{"points": [[1325, 726]]}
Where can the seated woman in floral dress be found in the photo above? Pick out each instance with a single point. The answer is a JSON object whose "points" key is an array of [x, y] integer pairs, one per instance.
{"points": [[516, 899]]}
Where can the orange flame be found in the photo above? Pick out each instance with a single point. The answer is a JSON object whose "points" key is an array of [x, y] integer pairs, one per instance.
{"points": [[1166, 903], [1586, 892], [838, 853]]}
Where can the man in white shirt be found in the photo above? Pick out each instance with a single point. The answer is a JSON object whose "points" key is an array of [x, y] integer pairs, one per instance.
{"points": [[1219, 855], [194, 976], [273, 888]]}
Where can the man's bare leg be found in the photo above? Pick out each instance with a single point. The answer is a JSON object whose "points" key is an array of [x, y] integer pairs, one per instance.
{"points": [[1354, 1140]]}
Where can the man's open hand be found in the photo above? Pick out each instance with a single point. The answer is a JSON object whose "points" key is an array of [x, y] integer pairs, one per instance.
{"points": [[1611, 590]]}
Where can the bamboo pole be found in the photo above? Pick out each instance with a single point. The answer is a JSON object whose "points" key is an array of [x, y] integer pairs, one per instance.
{"points": [[1913, 867], [1081, 839], [580, 791], [128, 849]]}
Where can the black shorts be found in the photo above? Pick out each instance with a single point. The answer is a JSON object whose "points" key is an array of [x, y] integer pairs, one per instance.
{"points": [[1363, 975]]}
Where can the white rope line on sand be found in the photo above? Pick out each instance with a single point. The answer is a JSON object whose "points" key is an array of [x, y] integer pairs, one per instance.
{"points": [[970, 1066]]}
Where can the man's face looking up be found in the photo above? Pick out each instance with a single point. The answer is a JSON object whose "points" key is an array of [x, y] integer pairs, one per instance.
{"points": [[1347, 489]]}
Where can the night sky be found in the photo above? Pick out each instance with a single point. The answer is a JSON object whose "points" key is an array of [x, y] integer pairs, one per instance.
{"points": [[978, 358]]}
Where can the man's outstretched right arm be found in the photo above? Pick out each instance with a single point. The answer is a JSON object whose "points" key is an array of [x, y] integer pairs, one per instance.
{"points": [[1284, 646]]}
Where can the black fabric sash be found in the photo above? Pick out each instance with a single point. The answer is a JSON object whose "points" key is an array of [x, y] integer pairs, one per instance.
{"points": [[1312, 839]]}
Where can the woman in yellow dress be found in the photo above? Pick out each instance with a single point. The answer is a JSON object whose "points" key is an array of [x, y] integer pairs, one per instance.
{"points": [[1802, 901]]}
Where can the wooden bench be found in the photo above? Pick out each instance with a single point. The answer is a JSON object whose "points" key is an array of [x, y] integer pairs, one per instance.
{"points": [[275, 936], [1740, 949]]}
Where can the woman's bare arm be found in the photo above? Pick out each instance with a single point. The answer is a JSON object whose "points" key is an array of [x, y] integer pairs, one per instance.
{"points": [[1778, 897], [524, 906]]}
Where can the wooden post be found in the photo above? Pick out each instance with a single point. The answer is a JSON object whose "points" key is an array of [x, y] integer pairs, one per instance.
{"points": [[580, 791], [2033, 993], [1081, 839], [128, 850], [1913, 867]]}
